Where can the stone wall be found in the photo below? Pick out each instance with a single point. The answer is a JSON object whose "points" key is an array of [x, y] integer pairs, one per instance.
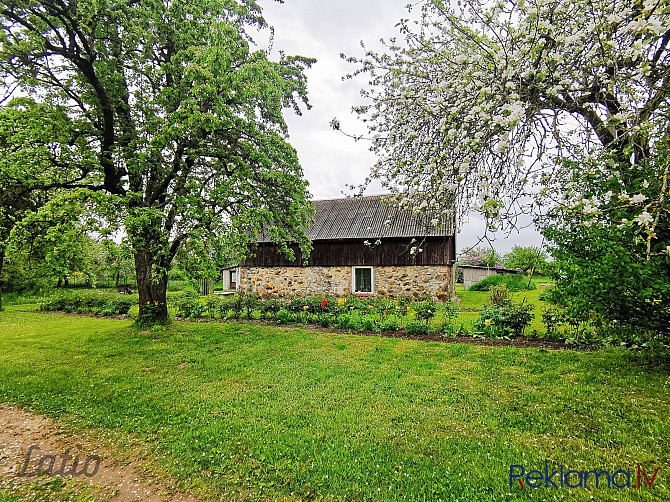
{"points": [[389, 281]]}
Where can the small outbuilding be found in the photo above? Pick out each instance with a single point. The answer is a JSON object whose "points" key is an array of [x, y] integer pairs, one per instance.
{"points": [[472, 274]]}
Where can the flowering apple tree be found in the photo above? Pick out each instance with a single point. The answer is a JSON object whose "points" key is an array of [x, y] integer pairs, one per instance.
{"points": [[559, 107]]}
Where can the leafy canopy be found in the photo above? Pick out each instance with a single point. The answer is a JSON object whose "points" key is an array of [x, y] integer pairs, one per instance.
{"points": [[177, 121]]}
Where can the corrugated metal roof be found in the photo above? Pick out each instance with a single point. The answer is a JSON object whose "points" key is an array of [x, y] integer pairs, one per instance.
{"points": [[372, 217]]}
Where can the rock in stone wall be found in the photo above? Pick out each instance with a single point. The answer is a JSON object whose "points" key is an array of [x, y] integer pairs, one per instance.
{"points": [[390, 281]]}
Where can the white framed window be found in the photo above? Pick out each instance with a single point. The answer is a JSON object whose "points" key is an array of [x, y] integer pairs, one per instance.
{"points": [[362, 280]]}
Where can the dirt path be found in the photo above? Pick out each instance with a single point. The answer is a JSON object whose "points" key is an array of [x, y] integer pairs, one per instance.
{"points": [[26, 439]]}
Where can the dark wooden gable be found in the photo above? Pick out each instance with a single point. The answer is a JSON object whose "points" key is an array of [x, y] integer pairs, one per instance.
{"points": [[342, 227], [435, 251]]}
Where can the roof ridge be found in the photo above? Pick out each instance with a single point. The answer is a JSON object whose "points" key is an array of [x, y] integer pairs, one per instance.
{"points": [[355, 197]]}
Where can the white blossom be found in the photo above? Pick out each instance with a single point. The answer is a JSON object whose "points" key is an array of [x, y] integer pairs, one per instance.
{"points": [[644, 218]]}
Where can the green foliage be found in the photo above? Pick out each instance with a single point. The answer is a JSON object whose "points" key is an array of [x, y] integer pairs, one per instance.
{"points": [[250, 302], [425, 309], [370, 323], [285, 316], [117, 306], [514, 282], [180, 142], [189, 305], [390, 323], [503, 320], [103, 304], [418, 328], [499, 294], [527, 259], [270, 307], [616, 275], [553, 318]]}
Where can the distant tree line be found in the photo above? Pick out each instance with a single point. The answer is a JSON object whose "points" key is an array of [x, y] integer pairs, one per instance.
{"points": [[527, 259]]}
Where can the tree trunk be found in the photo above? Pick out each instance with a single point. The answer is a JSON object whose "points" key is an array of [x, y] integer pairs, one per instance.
{"points": [[118, 273], [152, 290], [60, 282]]}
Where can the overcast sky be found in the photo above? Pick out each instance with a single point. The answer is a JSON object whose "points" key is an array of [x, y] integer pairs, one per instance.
{"points": [[322, 30]]}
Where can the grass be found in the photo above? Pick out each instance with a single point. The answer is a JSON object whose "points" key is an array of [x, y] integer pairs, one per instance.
{"points": [[470, 301], [271, 413]]}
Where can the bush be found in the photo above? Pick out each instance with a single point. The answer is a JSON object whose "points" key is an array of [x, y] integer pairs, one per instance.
{"points": [[349, 321], [284, 316], [514, 282], [499, 294], [189, 305], [390, 323], [97, 303], [370, 323], [553, 318], [417, 328], [425, 309], [117, 306], [269, 308], [250, 302], [57, 304], [325, 320], [507, 319]]}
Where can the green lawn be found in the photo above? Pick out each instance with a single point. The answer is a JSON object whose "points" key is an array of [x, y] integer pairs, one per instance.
{"points": [[273, 413], [475, 300]]}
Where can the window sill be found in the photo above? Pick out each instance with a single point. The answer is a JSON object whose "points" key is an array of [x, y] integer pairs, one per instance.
{"points": [[363, 294]]}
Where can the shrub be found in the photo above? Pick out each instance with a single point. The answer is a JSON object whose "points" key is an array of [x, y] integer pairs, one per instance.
{"points": [[349, 321], [298, 305], [117, 306], [325, 320], [189, 305], [284, 316], [250, 302], [425, 309], [417, 328], [212, 304], [342, 321], [390, 323], [228, 307], [270, 307], [57, 304], [98, 303], [553, 318], [499, 294], [514, 282], [503, 320], [370, 323]]}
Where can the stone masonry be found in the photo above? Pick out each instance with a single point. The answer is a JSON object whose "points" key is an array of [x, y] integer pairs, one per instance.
{"points": [[389, 281]]}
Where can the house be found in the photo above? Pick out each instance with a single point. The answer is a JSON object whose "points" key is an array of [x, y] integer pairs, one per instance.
{"points": [[361, 246]]}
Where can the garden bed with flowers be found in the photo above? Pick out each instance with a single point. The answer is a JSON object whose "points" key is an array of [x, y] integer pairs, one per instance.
{"points": [[500, 319]]}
